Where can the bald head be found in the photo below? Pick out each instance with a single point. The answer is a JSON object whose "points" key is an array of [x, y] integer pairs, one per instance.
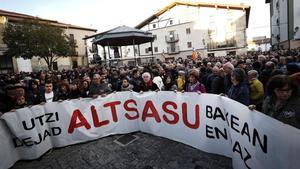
{"points": [[96, 79], [228, 67], [215, 70]]}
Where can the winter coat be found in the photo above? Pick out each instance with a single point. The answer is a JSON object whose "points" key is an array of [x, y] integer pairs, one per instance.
{"points": [[240, 93], [103, 88], [137, 84], [149, 87], [128, 88], [158, 81], [288, 112], [217, 85], [197, 87]]}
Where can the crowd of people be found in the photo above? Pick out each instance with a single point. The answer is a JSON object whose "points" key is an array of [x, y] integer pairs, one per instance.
{"points": [[266, 82]]}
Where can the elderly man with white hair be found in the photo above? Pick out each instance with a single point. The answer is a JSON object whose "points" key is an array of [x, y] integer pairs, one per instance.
{"points": [[98, 87], [228, 68]]}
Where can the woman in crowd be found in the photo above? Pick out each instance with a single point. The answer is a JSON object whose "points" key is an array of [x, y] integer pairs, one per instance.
{"points": [[19, 96], [283, 102], [84, 89], [181, 81], [239, 90], [147, 84], [74, 89], [34, 96], [126, 86], [63, 92], [169, 84], [194, 85], [157, 79]]}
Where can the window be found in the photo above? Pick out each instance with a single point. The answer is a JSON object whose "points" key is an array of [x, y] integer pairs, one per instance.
{"points": [[75, 64], [155, 49], [172, 34], [54, 66], [277, 5], [154, 25], [211, 55], [232, 53], [147, 50], [189, 44], [171, 22], [155, 37], [72, 36], [188, 30]]}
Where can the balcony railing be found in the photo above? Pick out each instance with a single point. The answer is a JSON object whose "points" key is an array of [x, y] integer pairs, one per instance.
{"points": [[172, 38], [225, 44], [3, 48], [173, 50]]}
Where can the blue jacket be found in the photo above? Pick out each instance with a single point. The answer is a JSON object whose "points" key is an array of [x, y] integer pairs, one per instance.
{"points": [[240, 93]]}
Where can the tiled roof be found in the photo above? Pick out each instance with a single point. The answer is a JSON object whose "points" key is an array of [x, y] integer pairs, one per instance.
{"points": [[13, 16]]}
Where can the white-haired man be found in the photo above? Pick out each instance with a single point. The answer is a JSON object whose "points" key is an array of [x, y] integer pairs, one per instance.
{"points": [[228, 68], [98, 87]]}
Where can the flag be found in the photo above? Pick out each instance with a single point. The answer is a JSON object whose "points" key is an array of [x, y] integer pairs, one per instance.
{"points": [[194, 55]]}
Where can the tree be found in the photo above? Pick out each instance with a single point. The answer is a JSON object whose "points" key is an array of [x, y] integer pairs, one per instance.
{"points": [[34, 38]]}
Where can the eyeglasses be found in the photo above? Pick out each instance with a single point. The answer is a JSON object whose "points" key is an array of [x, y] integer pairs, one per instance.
{"points": [[283, 90]]}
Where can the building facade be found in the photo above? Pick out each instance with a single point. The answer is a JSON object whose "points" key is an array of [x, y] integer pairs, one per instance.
{"points": [[8, 64], [285, 23], [210, 29], [260, 43]]}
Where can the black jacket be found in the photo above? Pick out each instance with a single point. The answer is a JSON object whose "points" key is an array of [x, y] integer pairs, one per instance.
{"points": [[147, 88], [55, 97]]}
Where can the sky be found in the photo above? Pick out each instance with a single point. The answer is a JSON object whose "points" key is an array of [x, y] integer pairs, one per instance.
{"points": [[107, 14]]}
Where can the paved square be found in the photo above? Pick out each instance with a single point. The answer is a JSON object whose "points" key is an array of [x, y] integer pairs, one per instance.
{"points": [[147, 152]]}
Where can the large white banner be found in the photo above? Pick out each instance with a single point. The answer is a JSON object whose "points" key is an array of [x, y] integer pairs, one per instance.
{"points": [[207, 122]]}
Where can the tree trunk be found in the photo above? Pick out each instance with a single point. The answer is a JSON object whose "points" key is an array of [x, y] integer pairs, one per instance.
{"points": [[49, 63], [50, 66]]}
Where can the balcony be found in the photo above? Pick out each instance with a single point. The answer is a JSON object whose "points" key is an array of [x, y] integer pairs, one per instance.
{"points": [[172, 38], [230, 43], [173, 50], [3, 48]]}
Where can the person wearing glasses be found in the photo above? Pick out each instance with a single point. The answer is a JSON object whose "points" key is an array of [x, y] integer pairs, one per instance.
{"points": [[283, 102]]}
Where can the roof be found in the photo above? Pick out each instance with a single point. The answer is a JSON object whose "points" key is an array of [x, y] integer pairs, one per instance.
{"points": [[195, 4], [14, 17], [122, 36]]}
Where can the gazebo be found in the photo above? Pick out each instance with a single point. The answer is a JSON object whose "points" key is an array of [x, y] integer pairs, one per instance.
{"points": [[122, 36]]}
